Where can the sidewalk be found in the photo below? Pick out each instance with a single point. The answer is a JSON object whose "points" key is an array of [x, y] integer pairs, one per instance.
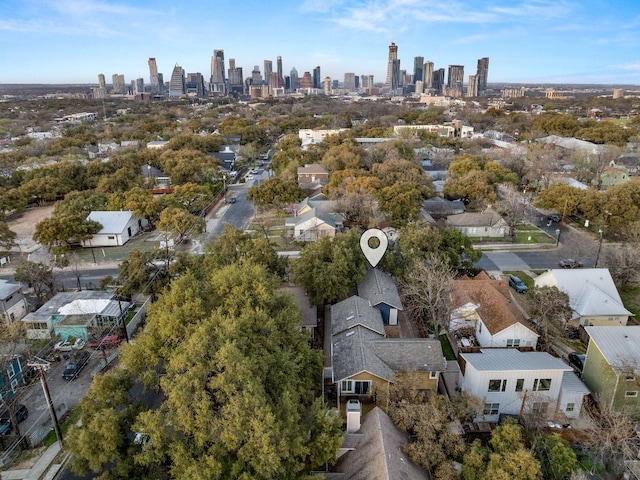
{"points": [[43, 469]]}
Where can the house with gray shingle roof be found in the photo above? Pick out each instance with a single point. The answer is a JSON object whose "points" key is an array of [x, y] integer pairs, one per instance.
{"points": [[376, 452], [363, 361], [485, 224], [380, 289], [314, 224]]}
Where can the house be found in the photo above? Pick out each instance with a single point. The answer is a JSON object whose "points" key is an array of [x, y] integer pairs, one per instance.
{"points": [[76, 314], [308, 312], [593, 296], [13, 305], [439, 207], [380, 289], [486, 224], [324, 206], [155, 177], [375, 452], [314, 224], [364, 362], [612, 367], [313, 173], [227, 157], [157, 144], [613, 176], [117, 228], [11, 370], [511, 382], [487, 307], [310, 136]]}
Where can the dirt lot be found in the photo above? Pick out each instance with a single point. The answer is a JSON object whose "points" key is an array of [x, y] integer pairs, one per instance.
{"points": [[24, 225]]}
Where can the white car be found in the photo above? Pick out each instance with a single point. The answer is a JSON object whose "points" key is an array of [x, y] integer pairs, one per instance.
{"points": [[249, 177], [65, 346]]}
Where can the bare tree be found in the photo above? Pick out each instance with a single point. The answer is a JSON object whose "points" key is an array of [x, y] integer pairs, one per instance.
{"points": [[611, 438], [623, 261], [512, 206], [426, 289], [550, 310]]}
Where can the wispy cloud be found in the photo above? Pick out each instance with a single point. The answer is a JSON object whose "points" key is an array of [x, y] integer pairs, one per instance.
{"points": [[628, 66]]}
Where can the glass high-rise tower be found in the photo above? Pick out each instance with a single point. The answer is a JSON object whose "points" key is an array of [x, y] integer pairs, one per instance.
{"points": [[393, 57], [482, 73], [153, 74], [217, 84]]}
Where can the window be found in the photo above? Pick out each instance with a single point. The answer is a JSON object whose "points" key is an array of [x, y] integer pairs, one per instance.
{"points": [[542, 384], [630, 378], [357, 387], [570, 407], [433, 374], [519, 384], [11, 371], [497, 385], [631, 394], [111, 237], [491, 409], [540, 407], [513, 342]]}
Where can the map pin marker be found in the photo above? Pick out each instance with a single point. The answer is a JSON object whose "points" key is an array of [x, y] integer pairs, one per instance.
{"points": [[374, 255]]}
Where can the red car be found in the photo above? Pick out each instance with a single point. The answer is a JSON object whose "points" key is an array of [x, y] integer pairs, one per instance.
{"points": [[106, 342]]}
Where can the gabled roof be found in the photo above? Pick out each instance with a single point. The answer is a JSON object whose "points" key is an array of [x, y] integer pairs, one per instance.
{"points": [[312, 168], [442, 206], [591, 290], [488, 218], [351, 354], [410, 354], [354, 311], [379, 287], [619, 345], [508, 359], [8, 288], [112, 222], [308, 312], [322, 217], [496, 307], [378, 454]]}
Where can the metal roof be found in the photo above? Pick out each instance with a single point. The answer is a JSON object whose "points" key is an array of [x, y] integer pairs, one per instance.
{"points": [[112, 222], [505, 359], [620, 345]]}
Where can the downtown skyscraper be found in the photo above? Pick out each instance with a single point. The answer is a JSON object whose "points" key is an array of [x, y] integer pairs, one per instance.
{"points": [[482, 73], [217, 84], [393, 67], [153, 75]]}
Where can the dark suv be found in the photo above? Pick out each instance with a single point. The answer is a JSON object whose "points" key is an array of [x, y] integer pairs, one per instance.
{"points": [[21, 413], [75, 366], [576, 360], [517, 284]]}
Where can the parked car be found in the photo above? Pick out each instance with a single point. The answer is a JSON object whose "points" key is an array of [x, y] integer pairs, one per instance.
{"points": [[106, 342], [576, 360], [21, 413], [232, 200], [5, 428], [570, 263], [66, 346], [75, 366], [517, 284], [554, 218]]}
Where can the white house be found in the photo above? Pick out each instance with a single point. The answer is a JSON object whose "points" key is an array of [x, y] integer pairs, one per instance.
{"points": [[593, 296], [488, 307], [510, 382], [117, 228]]}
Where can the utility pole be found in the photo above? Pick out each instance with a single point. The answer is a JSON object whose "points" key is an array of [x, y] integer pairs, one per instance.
{"points": [[47, 395]]}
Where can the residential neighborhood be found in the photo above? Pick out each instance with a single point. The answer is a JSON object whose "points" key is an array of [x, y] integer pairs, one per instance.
{"points": [[197, 270]]}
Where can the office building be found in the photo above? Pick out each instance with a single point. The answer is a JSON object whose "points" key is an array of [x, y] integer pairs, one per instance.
{"points": [[327, 85], [438, 81], [268, 68], [139, 86], [217, 84], [350, 82], [472, 86], [281, 82], [101, 81], [195, 85], [153, 74], [455, 80], [418, 69], [101, 90], [617, 93], [256, 76], [427, 75], [293, 80], [317, 83], [366, 81], [306, 82], [393, 57], [117, 83], [160, 84], [396, 79], [177, 85], [482, 73], [419, 87], [273, 81]]}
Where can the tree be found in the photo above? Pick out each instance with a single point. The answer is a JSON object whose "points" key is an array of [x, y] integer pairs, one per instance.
{"points": [[38, 277], [7, 236], [140, 201], [275, 192], [550, 309], [557, 458], [474, 463], [58, 232], [426, 288], [512, 206], [178, 222], [328, 269], [191, 197]]}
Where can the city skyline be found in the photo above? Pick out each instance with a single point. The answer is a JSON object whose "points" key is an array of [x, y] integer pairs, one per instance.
{"points": [[538, 41]]}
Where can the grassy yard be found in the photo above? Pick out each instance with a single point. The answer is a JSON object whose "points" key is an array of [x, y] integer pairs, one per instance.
{"points": [[446, 348], [71, 418], [631, 299], [528, 281], [532, 236]]}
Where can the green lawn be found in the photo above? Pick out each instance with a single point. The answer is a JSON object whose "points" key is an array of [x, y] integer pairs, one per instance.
{"points": [[528, 281], [631, 299], [532, 236], [446, 348], [71, 418]]}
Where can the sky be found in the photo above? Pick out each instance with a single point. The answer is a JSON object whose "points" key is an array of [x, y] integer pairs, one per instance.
{"points": [[527, 41]]}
